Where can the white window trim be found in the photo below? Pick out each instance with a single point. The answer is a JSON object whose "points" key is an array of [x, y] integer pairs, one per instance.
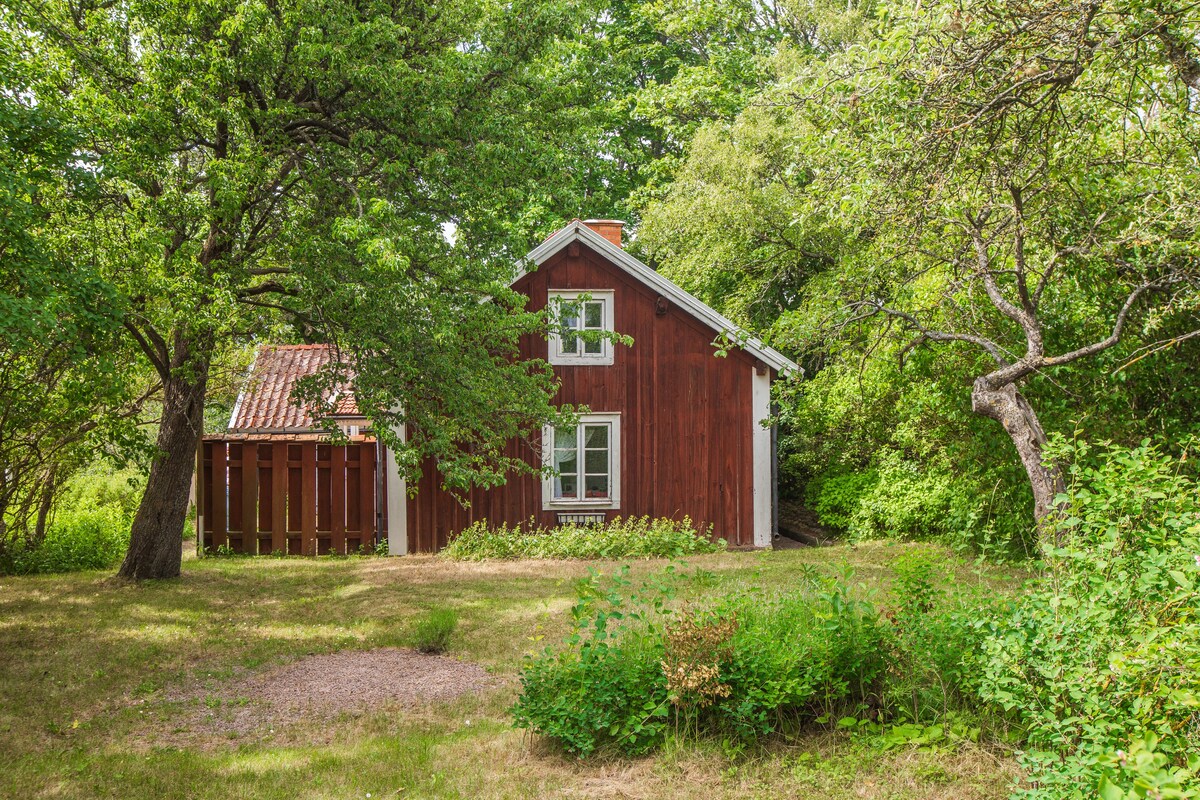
{"points": [[614, 466], [605, 356]]}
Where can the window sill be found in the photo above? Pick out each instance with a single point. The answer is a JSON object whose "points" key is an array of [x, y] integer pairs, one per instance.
{"points": [[580, 505], [581, 361]]}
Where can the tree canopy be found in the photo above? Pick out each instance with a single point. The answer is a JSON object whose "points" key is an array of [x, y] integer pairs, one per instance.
{"points": [[955, 214], [1009, 180]]}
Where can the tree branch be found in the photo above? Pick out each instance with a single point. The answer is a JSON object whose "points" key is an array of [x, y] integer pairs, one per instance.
{"points": [[927, 334], [266, 287], [1029, 324], [1111, 339], [154, 347]]}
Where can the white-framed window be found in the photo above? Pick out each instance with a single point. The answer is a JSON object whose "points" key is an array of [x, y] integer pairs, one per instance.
{"points": [[586, 463], [578, 312]]}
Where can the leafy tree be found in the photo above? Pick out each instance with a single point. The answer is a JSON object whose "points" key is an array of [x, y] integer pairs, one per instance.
{"points": [[63, 389], [305, 161], [647, 75], [1006, 178]]}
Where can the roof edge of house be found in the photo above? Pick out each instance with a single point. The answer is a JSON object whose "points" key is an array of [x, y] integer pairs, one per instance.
{"points": [[578, 231]]}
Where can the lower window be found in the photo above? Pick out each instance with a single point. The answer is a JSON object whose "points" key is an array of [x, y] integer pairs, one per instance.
{"points": [[585, 460]]}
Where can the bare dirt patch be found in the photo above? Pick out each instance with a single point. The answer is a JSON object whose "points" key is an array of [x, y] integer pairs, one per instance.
{"points": [[325, 686]]}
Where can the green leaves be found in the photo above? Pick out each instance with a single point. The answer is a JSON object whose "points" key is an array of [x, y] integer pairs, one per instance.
{"points": [[1099, 657]]}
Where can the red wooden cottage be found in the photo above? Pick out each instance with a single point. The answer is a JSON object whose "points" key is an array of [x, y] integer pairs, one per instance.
{"points": [[673, 430]]}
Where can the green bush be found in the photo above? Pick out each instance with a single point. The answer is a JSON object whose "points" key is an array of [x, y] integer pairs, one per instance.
{"points": [[899, 499], [88, 528], [86, 537], [938, 631], [905, 503], [433, 631], [635, 665], [836, 498], [636, 537], [1099, 659]]}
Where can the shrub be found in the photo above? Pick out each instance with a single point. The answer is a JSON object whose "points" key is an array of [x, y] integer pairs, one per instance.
{"points": [[605, 688], [900, 499], [433, 631], [87, 537], [937, 636], [836, 498], [744, 665], [1100, 658], [88, 529], [636, 537], [906, 503]]}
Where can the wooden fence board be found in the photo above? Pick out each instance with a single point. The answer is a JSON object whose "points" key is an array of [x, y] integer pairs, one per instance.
{"points": [[279, 482], [308, 509], [296, 498], [338, 501], [250, 498], [220, 495]]}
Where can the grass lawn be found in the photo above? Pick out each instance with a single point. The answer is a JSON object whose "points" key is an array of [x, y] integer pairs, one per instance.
{"points": [[101, 685]]}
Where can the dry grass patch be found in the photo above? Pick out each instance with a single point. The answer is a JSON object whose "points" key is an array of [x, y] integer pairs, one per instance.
{"points": [[319, 689]]}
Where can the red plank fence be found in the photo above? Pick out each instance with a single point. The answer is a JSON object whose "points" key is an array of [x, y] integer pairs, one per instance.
{"points": [[292, 497]]}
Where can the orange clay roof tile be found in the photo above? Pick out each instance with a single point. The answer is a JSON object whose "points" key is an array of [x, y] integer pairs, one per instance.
{"points": [[265, 403]]}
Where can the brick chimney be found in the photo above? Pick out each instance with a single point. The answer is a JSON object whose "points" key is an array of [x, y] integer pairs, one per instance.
{"points": [[608, 228]]}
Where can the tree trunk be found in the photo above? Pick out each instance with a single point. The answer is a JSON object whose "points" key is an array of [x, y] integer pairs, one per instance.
{"points": [[43, 517], [1006, 405], [156, 540]]}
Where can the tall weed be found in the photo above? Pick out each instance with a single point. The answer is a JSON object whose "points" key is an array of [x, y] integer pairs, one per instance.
{"points": [[636, 665]]}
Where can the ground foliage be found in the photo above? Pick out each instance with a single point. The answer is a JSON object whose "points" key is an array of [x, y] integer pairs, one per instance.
{"points": [[635, 537], [1099, 658], [637, 665], [1089, 672]]}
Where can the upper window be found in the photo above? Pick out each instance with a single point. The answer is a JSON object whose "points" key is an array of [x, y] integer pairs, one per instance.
{"points": [[586, 463], [578, 314]]}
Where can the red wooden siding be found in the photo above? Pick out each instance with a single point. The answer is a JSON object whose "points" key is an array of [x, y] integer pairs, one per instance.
{"points": [[299, 498], [686, 441]]}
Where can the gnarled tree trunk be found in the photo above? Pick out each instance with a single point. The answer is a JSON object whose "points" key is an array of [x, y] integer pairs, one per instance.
{"points": [[156, 541], [1005, 404]]}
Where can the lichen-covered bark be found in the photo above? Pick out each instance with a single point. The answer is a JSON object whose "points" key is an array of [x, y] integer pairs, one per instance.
{"points": [[1006, 405]]}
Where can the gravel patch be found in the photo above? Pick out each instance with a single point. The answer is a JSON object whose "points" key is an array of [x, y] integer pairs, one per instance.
{"points": [[322, 687]]}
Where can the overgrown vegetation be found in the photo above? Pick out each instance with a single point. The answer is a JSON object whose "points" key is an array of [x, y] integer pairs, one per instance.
{"points": [[1099, 659], [88, 527], [636, 537], [745, 665], [639, 666], [1091, 671], [434, 629]]}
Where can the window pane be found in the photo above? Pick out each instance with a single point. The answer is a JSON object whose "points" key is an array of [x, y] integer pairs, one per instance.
{"points": [[564, 437], [593, 315], [570, 343], [594, 347], [596, 486], [566, 487], [595, 436], [595, 462], [566, 461]]}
